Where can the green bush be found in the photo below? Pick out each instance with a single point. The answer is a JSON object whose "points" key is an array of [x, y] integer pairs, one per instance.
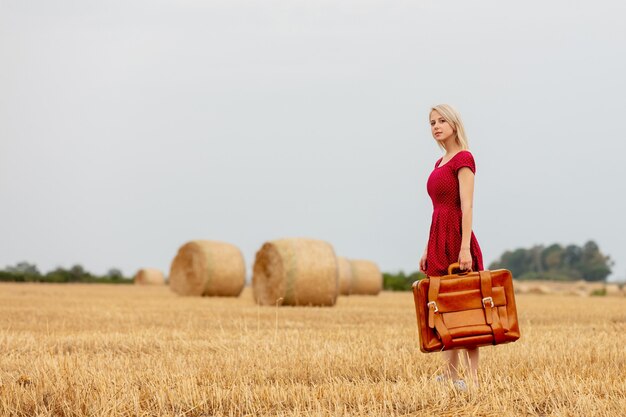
{"points": [[600, 292], [400, 281], [25, 272]]}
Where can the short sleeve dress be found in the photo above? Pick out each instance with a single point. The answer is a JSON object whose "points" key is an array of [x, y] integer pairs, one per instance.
{"points": [[444, 242]]}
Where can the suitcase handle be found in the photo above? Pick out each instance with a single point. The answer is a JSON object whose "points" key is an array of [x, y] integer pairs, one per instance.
{"points": [[457, 265]]}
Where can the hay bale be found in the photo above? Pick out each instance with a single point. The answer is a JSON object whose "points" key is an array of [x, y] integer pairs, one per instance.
{"points": [[295, 272], [345, 275], [366, 277], [149, 276], [208, 268]]}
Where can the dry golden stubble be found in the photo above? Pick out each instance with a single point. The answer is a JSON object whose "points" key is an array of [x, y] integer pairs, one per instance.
{"points": [[119, 350]]}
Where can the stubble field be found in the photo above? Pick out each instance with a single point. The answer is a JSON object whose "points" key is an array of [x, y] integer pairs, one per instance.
{"points": [[97, 350]]}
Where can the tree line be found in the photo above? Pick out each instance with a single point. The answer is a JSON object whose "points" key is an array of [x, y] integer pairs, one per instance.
{"points": [[554, 262], [26, 272]]}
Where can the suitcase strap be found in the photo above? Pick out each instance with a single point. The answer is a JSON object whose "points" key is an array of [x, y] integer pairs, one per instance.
{"points": [[434, 318], [493, 320]]}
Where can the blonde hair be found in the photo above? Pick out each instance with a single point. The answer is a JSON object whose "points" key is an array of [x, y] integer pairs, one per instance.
{"points": [[453, 117]]}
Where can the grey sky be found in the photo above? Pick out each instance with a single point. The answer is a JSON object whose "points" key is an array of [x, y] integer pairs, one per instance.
{"points": [[130, 127]]}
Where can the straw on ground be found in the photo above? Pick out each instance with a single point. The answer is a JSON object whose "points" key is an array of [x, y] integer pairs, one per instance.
{"points": [[98, 350]]}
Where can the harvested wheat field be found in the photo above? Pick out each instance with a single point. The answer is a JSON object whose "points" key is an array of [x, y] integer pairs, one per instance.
{"points": [[97, 350]]}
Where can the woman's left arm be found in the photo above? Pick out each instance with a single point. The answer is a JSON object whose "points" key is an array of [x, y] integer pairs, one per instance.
{"points": [[466, 191]]}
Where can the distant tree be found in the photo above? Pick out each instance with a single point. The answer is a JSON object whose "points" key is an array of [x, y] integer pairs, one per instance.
{"points": [[58, 275], [594, 265], [23, 271], [572, 255], [552, 256], [115, 273], [75, 274], [78, 273], [24, 268], [557, 263], [537, 260], [516, 261]]}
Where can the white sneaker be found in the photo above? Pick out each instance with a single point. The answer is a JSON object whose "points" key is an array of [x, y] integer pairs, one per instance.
{"points": [[460, 385]]}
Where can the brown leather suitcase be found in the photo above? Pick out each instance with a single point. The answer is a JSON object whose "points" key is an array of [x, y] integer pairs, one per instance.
{"points": [[466, 310]]}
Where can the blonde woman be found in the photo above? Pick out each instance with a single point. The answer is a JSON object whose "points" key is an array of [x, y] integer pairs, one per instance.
{"points": [[451, 239]]}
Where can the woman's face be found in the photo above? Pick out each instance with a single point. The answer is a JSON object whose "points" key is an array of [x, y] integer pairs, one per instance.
{"points": [[440, 128]]}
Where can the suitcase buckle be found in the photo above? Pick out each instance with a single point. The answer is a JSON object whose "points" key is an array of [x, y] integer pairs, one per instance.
{"points": [[433, 304], [489, 300]]}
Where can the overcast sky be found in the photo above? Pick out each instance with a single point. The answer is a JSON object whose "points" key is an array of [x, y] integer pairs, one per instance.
{"points": [[130, 127]]}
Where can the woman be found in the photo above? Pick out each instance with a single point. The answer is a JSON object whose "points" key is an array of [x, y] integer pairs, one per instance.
{"points": [[451, 188]]}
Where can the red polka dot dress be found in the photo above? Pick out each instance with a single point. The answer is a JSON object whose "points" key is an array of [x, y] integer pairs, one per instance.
{"points": [[444, 242]]}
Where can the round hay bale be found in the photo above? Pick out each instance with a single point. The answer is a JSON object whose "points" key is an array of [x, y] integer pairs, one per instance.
{"points": [[345, 275], [366, 277], [149, 276], [295, 272], [208, 268]]}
